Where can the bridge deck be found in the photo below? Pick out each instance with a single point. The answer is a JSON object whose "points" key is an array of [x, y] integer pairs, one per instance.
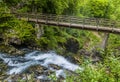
{"points": [[73, 22]]}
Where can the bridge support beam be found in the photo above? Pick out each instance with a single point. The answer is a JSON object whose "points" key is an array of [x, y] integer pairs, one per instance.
{"points": [[39, 30], [105, 41]]}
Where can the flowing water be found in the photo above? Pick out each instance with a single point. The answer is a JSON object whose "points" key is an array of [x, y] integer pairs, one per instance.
{"points": [[18, 64]]}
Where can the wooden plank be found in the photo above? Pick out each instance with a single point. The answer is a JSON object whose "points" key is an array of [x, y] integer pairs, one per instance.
{"points": [[80, 26], [102, 25]]}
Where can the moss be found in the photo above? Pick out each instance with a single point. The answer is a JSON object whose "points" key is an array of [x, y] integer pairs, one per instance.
{"points": [[20, 30], [4, 48], [52, 38], [3, 69]]}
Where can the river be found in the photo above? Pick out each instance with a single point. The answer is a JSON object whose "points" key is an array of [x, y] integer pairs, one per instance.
{"points": [[19, 64]]}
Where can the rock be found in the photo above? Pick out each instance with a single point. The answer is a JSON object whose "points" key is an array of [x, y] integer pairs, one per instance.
{"points": [[93, 55], [71, 58], [55, 66], [14, 41], [84, 52], [72, 45], [1, 39], [37, 70], [10, 49], [3, 69]]}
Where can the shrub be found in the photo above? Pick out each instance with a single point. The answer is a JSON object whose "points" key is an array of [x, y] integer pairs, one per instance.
{"points": [[104, 71]]}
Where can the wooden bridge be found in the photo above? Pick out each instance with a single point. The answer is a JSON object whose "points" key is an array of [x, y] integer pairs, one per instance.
{"points": [[93, 24]]}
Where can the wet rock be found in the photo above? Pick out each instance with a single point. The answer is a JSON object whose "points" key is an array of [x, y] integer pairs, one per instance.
{"points": [[3, 69], [55, 66], [1, 39], [37, 70], [14, 41], [72, 45], [48, 72], [71, 58], [84, 52], [18, 52], [10, 50]]}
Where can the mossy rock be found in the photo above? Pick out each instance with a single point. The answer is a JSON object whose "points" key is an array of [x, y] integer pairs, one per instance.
{"points": [[3, 69]]}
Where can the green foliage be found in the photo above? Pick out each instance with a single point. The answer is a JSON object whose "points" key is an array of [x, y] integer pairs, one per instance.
{"points": [[58, 5], [21, 30], [104, 71], [115, 9], [23, 10], [90, 8], [10, 27], [11, 2], [114, 41], [100, 8], [73, 7], [4, 18], [94, 74], [52, 38], [53, 77], [84, 37], [84, 8], [113, 66], [3, 8], [46, 6]]}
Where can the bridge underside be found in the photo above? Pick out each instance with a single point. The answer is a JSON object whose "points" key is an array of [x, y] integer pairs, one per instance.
{"points": [[78, 26]]}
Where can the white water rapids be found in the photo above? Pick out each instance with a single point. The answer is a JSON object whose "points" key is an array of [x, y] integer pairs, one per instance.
{"points": [[19, 64]]}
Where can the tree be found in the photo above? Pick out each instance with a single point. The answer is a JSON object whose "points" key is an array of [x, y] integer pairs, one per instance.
{"points": [[46, 6], [115, 9], [73, 7], [100, 8], [11, 2]]}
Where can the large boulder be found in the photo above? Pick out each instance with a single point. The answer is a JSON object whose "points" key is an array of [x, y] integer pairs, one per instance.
{"points": [[72, 45]]}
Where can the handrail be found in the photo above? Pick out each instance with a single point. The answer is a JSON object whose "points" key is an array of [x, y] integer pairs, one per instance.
{"points": [[70, 21]]}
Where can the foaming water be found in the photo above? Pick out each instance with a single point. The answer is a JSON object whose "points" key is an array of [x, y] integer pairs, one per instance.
{"points": [[20, 64]]}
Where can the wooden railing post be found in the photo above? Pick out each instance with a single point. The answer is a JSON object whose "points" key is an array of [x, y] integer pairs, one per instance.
{"points": [[97, 23], [27, 17], [36, 18], [46, 19], [70, 21], [111, 26], [83, 23], [57, 20]]}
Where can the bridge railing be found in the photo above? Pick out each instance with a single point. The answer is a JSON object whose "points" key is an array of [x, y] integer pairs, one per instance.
{"points": [[98, 22]]}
